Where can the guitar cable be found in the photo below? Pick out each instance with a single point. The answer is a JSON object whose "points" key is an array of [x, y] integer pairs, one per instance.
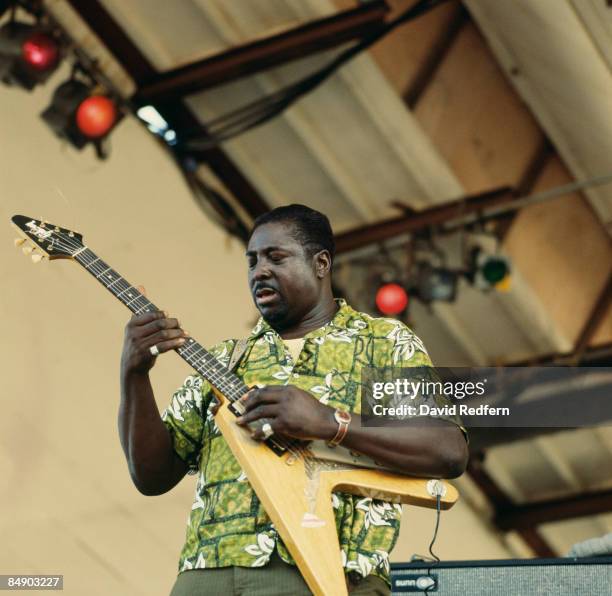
{"points": [[433, 583], [428, 582]]}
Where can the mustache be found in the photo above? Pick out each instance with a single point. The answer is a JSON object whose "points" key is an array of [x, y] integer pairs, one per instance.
{"points": [[264, 286]]}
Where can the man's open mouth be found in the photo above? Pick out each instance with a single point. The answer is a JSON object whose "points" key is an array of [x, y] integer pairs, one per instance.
{"points": [[265, 295]]}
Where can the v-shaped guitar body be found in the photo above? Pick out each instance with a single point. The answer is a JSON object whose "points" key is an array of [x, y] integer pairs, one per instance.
{"points": [[296, 494]]}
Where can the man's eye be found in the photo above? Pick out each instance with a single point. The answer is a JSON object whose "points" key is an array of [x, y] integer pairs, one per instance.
{"points": [[276, 258], [251, 263]]}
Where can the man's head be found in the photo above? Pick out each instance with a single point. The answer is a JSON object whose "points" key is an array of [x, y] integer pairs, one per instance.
{"points": [[289, 254]]}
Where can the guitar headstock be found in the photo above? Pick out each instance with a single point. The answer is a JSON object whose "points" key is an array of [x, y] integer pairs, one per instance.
{"points": [[50, 240]]}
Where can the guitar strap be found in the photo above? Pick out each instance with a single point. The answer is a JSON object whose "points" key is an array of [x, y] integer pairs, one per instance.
{"points": [[238, 352]]}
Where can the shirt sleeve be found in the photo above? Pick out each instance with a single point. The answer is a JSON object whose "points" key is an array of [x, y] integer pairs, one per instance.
{"points": [[409, 351], [185, 419], [187, 416]]}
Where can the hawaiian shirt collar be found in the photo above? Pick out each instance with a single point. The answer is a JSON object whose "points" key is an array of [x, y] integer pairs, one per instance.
{"points": [[340, 321]]}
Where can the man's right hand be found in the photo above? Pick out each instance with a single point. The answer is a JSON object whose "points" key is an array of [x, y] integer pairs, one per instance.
{"points": [[154, 465], [144, 331]]}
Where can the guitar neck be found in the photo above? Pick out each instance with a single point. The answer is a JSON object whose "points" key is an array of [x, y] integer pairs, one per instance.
{"points": [[191, 351]]}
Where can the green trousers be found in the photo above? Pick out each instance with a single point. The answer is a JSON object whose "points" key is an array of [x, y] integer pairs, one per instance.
{"points": [[277, 578]]}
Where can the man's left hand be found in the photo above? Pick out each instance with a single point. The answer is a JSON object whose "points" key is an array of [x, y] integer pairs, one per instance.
{"points": [[290, 411]]}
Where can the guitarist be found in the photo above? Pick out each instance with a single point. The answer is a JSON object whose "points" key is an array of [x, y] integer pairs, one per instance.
{"points": [[305, 352]]}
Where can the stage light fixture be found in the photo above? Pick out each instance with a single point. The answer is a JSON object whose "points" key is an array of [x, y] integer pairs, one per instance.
{"points": [[391, 299], [434, 283], [28, 55], [495, 269], [156, 123], [95, 116], [488, 271], [80, 116]]}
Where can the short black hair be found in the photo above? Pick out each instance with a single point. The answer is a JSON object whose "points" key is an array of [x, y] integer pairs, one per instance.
{"points": [[310, 228]]}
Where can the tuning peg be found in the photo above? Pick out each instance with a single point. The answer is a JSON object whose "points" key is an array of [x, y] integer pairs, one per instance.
{"points": [[37, 258], [27, 250], [19, 241]]}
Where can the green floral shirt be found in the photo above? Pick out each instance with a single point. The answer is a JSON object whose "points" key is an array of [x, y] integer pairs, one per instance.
{"points": [[227, 524]]}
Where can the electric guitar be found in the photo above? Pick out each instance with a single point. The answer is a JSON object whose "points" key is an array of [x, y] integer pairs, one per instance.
{"points": [[299, 505]]}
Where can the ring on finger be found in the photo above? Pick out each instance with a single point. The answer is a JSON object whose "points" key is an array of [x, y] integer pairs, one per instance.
{"points": [[154, 350], [267, 431]]}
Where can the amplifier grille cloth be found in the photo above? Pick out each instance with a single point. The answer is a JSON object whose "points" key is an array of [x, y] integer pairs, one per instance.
{"points": [[515, 580]]}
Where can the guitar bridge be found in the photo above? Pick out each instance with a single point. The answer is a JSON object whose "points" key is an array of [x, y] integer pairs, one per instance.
{"points": [[277, 447], [237, 409]]}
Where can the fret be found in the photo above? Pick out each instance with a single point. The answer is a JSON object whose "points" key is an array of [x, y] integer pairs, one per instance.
{"points": [[83, 254], [144, 308], [113, 283], [191, 352], [103, 272], [133, 300], [124, 291]]}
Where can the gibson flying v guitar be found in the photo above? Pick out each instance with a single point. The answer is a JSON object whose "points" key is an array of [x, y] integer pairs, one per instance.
{"points": [[294, 480]]}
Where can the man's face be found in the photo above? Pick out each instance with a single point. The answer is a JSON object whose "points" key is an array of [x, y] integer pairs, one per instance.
{"points": [[282, 279]]}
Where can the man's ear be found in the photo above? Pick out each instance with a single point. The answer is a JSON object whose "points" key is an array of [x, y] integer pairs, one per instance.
{"points": [[322, 262]]}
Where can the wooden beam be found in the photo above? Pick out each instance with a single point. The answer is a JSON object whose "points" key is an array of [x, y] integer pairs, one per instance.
{"points": [[364, 235], [526, 184], [594, 356], [114, 38], [535, 167], [597, 315], [500, 501], [487, 485], [178, 114], [537, 543], [261, 54], [520, 517], [181, 118], [485, 437], [434, 59]]}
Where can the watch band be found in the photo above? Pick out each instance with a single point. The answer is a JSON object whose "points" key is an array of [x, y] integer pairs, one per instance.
{"points": [[343, 419]]}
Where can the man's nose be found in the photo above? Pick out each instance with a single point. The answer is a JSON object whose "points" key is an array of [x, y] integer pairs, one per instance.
{"points": [[261, 271]]}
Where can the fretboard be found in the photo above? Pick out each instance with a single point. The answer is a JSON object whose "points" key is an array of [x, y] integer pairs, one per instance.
{"points": [[191, 351]]}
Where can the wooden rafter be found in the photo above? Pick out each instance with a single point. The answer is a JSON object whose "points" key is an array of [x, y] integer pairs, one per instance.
{"points": [[436, 56], [261, 54], [500, 502], [596, 316], [518, 517], [180, 118], [388, 228], [594, 356]]}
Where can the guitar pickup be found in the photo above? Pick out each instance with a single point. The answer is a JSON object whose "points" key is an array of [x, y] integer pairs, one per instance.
{"points": [[236, 408]]}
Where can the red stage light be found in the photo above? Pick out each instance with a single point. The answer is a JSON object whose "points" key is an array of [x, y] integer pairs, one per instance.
{"points": [[95, 116], [391, 299], [40, 51]]}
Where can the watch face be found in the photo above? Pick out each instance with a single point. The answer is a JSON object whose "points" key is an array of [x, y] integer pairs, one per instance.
{"points": [[342, 416]]}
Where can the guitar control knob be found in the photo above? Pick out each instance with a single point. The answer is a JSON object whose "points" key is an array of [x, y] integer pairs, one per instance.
{"points": [[37, 258], [27, 250], [19, 241]]}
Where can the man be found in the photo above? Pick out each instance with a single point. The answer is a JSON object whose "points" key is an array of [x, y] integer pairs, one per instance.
{"points": [[307, 350]]}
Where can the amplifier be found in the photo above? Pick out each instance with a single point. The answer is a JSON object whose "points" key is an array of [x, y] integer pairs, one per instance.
{"points": [[505, 577]]}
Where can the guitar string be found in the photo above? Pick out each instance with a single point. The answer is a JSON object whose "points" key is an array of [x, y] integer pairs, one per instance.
{"points": [[218, 370], [190, 352], [296, 447]]}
